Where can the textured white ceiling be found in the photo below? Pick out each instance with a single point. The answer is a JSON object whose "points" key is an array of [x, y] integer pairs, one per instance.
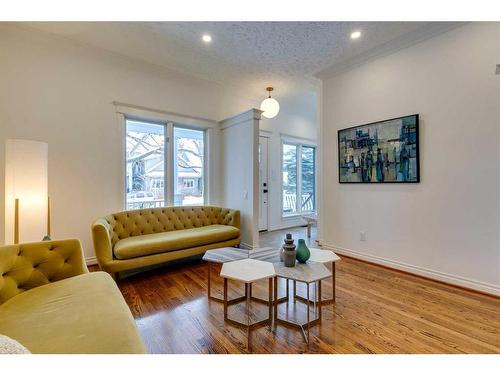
{"points": [[252, 55]]}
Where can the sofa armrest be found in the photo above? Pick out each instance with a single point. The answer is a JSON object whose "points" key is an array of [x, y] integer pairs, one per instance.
{"points": [[231, 217], [29, 265], [103, 247]]}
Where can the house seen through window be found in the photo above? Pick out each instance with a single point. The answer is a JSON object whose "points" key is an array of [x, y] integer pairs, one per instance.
{"points": [[147, 173]]}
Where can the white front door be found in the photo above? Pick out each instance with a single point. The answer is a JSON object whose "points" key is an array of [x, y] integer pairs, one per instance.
{"points": [[263, 183]]}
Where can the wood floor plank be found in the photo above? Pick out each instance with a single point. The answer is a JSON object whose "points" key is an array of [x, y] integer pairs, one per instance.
{"points": [[377, 310]]}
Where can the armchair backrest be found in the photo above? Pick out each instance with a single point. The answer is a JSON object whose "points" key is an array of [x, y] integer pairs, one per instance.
{"points": [[29, 265]]}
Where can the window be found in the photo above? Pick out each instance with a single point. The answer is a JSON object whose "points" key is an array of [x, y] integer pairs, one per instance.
{"points": [[289, 178], [189, 151], [145, 155], [308, 183], [299, 178], [149, 183]]}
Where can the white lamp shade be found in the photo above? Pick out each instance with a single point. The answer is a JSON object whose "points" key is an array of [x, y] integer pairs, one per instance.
{"points": [[270, 106], [26, 179]]}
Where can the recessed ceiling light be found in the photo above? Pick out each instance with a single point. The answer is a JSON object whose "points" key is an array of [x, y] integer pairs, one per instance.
{"points": [[355, 34], [206, 38]]}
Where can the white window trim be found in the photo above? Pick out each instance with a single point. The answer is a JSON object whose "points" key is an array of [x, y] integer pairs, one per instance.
{"points": [[299, 142], [167, 119], [206, 140], [159, 115]]}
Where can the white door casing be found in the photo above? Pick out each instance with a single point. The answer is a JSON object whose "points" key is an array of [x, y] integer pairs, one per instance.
{"points": [[263, 183]]}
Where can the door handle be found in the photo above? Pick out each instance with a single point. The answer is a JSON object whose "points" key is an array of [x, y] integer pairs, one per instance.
{"points": [[264, 191]]}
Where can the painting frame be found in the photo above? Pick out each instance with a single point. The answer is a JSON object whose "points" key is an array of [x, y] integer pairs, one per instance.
{"points": [[378, 123]]}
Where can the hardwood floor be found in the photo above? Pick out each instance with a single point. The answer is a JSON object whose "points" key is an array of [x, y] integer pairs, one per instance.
{"points": [[377, 310]]}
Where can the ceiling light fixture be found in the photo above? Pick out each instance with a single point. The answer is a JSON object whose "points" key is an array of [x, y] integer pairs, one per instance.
{"points": [[270, 106], [355, 34], [206, 38]]}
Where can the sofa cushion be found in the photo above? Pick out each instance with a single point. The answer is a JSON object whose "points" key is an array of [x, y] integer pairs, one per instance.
{"points": [[82, 314], [155, 243]]}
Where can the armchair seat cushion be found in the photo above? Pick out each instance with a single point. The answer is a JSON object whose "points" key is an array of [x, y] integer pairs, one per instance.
{"points": [[81, 314], [155, 243]]}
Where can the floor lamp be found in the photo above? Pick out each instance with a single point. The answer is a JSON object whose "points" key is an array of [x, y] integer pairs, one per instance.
{"points": [[26, 191]]}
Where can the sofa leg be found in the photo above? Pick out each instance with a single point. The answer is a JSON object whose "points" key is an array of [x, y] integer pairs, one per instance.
{"points": [[115, 275]]}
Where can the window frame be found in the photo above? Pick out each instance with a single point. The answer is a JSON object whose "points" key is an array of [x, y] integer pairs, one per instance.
{"points": [[299, 143], [168, 157], [205, 159]]}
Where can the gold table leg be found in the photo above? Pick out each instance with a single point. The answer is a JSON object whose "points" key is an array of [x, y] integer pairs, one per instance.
{"points": [[319, 300], [308, 314], [304, 328], [325, 301], [333, 282], [225, 298], [248, 293], [209, 289], [275, 301], [249, 326]]}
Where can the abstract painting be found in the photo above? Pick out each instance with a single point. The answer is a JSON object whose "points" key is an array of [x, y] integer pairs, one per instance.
{"points": [[384, 151]]}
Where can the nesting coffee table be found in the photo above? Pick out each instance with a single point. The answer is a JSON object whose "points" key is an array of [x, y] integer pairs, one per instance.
{"points": [[231, 254], [325, 257], [248, 271], [309, 273], [221, 256], [249, 266]]}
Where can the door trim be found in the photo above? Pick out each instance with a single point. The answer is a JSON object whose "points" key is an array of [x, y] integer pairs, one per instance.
{"points": [[267, 136]]}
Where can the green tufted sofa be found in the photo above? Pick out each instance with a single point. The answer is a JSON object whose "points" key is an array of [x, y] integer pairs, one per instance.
{"points": [[139, 238], [50, 303]]}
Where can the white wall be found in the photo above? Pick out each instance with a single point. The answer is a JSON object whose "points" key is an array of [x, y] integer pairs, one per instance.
{"points": [[448, 226], [240, 144], [297, 118], [60, 92]]}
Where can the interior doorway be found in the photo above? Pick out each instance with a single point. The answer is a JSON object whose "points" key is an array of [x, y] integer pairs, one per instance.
{"points": [[263, 183]]}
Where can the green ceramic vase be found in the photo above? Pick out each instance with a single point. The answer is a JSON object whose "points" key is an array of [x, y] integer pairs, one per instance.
{"points": [[303, 253]]}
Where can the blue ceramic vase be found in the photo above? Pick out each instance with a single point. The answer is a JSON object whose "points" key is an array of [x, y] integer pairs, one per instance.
{"points": [[303, 253]]}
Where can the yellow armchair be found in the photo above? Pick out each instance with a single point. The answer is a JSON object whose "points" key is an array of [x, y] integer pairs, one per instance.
{"points": [[50, 303], [27, 266]]}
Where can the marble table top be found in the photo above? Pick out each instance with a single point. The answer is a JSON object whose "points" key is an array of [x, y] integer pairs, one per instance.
{"points": [[307, 273], [266, 261], [225, 254], [248, 270], [273, 255], [322, 256], [230, 254]]}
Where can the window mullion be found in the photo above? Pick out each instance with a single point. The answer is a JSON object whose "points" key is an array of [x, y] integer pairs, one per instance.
{"points": [[168, 167], [299, 179]]}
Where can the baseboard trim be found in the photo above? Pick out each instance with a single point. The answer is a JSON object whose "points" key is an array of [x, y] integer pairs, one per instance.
{"points": [[246, 246], [446, 278], [91, 261]]}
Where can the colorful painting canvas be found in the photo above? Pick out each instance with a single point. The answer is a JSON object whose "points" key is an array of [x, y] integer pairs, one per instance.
{"points": [[380, 152]]}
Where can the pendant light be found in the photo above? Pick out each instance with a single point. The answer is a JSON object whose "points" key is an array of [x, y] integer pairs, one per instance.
{"points": [[270, 106]]}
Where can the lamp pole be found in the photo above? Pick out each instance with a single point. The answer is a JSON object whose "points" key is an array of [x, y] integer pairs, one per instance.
{"points": [[16, 221]]}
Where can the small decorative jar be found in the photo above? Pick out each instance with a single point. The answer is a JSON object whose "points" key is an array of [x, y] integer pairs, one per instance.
{"points": [[303, 253], [289, 253]]}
